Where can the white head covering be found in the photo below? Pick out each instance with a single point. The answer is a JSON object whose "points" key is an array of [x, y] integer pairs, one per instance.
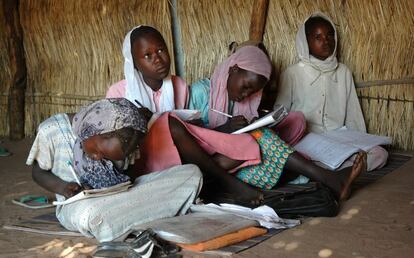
{"points": [[302, 49], [137, 89]]}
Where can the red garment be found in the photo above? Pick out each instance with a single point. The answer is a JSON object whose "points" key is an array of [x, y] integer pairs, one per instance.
{"points": [[159, 151]]}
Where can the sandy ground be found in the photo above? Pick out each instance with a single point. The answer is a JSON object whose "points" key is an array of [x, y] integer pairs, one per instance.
{"points": [[376, 222], [16, 181]]}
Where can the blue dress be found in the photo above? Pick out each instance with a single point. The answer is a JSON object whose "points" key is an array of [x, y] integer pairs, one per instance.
{"points": [[199, 99]]}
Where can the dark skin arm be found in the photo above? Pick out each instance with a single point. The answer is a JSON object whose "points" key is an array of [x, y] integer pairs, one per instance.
{"points": [[233, 124], [146, 112], [132, 170], [197, 122], [52, 183]]}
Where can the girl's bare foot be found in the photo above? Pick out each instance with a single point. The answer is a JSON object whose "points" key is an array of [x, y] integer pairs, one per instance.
{"points": [[359, 166], [245, 195]]}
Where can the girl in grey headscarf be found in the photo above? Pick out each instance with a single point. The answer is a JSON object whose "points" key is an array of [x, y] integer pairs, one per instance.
{"points": [[107, 131]]}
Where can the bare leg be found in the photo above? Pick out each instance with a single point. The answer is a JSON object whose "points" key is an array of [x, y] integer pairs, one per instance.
{"points": [[225, 162], [339, 181], [191, 153]]}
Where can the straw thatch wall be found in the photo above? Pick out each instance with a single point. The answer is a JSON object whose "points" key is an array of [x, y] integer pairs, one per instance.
{"points": [[207, 28], [376, 40], [73, 49], [5, 77], [375, 37]]}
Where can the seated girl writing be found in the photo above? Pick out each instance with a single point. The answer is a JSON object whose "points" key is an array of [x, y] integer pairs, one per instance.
{"points": [[235, 88], [104, 134]]}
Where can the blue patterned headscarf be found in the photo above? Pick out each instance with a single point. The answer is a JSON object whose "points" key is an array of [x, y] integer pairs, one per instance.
{"points": [[103, 116]]}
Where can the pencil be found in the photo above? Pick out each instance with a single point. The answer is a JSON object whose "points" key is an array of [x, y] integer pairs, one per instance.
{"points": [[74, 173], [139, 103], [221, 113]]}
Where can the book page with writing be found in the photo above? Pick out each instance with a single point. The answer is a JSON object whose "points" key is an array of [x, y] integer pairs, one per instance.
{"points": [[363, 141], [325, 150], [272, 118], [93, 193]]}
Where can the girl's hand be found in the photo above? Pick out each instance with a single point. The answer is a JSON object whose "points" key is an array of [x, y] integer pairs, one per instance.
{"points": [[146, 112], [197, 122], [70, 189], [253, 119], [233, 124]]}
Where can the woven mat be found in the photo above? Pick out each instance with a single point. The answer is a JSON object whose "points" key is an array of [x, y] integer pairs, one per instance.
{"points": [[48, 224]]}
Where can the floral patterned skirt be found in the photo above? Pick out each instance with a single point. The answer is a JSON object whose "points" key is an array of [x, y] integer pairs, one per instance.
{"points": [[274, 153]]}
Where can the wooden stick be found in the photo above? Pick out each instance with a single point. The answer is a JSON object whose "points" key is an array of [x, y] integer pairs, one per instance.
{"points": [[18, 69], [258, 20]]}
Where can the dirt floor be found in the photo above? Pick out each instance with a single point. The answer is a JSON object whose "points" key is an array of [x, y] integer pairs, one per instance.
{"points": [[376, 222]]}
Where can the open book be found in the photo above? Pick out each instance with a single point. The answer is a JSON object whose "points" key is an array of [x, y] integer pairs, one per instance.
{"points": [[92, 193], [334, 147], [272, 118], [183, 114]]}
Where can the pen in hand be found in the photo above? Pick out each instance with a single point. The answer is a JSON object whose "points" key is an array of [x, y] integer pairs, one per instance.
{"points": [[146, 112], [139, 103], [71, 168], [221, 113]]}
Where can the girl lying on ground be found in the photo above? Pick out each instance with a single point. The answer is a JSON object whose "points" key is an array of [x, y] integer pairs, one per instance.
{"points": [[104, 134], [233, 162]]}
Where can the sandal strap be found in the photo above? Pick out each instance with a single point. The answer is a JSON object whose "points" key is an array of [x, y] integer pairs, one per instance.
{"points": [[39, 199]]}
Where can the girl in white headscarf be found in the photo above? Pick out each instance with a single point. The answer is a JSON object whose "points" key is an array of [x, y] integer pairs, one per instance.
{"points": [[147, 73], [321, 87]]}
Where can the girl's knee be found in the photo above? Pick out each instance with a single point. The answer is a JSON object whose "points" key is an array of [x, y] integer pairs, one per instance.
{"points": [[176, 128], [378, 153], [298, 120], [191, 170], [297, 115], [376, 158]]}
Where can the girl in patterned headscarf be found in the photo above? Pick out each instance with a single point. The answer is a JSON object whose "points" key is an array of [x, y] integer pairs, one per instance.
{"points": [[104, 132], [107, 132]]}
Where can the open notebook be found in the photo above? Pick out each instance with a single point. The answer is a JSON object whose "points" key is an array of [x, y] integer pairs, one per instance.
{"points": [[334, 147], [92, 193], [183, 114], [273, 118]]}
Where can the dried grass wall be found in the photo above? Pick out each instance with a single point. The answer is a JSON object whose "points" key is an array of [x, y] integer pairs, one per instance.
{"points": [[5, 76], [207, 28], [74, 49], [376, 39]]}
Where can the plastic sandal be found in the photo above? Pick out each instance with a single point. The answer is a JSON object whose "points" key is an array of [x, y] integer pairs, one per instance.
{"points": [[33, 202], [144, 244], [4, 152], [115, 250]]}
